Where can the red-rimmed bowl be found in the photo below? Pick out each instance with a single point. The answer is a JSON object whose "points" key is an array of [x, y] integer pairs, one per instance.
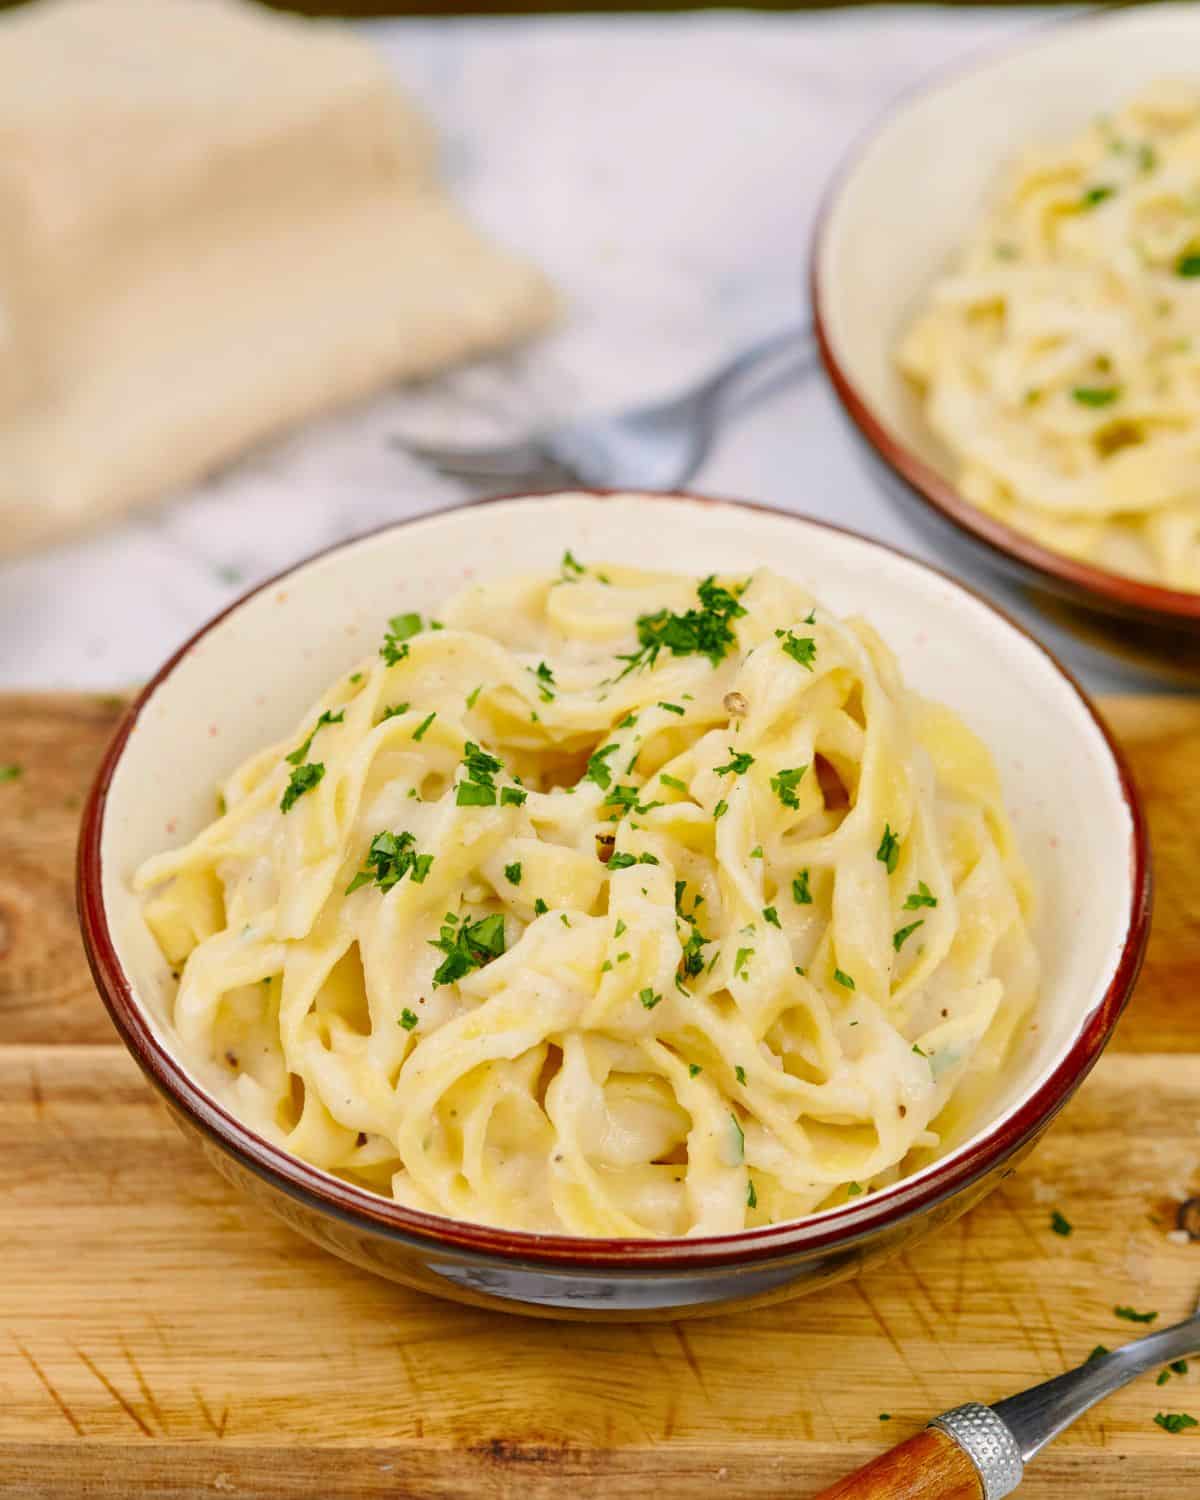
{"points": [[245, 679], [898, 209]]}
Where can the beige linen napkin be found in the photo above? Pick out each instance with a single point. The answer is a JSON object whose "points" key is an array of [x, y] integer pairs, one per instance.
{"points": [[217, 221]]}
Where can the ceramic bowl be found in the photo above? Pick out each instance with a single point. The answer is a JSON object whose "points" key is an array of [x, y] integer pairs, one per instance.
{"points": [[245, 679], [897, 211]]}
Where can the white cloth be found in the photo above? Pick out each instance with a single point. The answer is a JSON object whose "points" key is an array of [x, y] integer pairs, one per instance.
{"points": [[665, 171]]}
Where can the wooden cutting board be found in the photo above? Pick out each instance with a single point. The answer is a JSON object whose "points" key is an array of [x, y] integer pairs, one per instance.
{"points": [[159, 1339]]}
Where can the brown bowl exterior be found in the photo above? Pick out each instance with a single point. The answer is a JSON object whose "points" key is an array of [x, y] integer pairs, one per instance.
{"points": [[568, 1276]]}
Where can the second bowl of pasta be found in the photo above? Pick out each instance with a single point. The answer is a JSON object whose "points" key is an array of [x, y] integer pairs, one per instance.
{"points": [[1022, 361], [676, 916]]}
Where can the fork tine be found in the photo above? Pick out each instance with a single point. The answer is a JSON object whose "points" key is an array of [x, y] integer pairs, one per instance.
{"points": [[503, 460]]}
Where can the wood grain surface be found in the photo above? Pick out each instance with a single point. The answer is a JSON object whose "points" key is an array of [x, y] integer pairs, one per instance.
{"points": [[159, 1339]]}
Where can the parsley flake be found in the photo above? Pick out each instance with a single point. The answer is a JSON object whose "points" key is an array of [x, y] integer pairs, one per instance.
{"points": [[673, 708], [1095, 395], [739, 763], [302, 780], [697, 632], [922, 896], [1060, 1225], [843, 979], [539, 907], [419, 731], [740, 1073], [1175, 1421], [741, 962], [648, 998], [301, 751], [801, 894], [512, 873], [693, 1069], [10, 772], [597, 769], [888, 852], [390, 857], [408, 1018], [902, 934], [785, 783], [771, 915], [720, 810], [570, 567], [401, 628], [751, 1195], [467, 946], [1131, 1316], [802, 649]]}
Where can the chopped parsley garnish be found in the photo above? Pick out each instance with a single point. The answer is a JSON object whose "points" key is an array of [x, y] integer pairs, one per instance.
{"points": [[597, 769], [740, 1073], [697, 632], [888, 852], [1178, 1366], [570, 567], [919, 1050], [771, 915], [356, 678], [539, 907], [390, 857], [302, 780], [785, 783], [720, 810], [751, 1195], [741, 1138], [625, 861], [1060, 1225], [1095, 195], [513, 796], [741, 962], [673, 782], [1131, 1316], [853, 1189], [1098, 1352], [478, 788], [467, 946], [408, 1018], [843, 979], [419, 731], [545, 682], [902, 934], [648, 998], [802, 649], [473, 696], [628, 721], [1095, 395], [301, 751], [1175, 1421], [674, 708], [801, 894], [756, 852], [1188, 264], [395, 643], [512, 873], [1163, 1377], [394, 710], [692, 962], [885, 1416], [619, 928], [739, 763], [922, 896], [693, 1069], [10, 772]]}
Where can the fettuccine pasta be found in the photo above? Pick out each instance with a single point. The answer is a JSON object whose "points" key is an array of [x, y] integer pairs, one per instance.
{"points": [[1060, 362], [611, 903]]}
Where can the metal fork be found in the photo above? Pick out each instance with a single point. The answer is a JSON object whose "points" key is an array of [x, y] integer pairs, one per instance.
{"points": [[981, 1451], [656, 447]]}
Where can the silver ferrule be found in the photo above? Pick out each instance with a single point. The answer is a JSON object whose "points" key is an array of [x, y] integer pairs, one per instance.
{"points": [[988, 1443]]}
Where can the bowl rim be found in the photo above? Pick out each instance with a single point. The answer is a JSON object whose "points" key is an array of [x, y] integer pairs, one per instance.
{"points": [[1071, 575], [838, 1227]]}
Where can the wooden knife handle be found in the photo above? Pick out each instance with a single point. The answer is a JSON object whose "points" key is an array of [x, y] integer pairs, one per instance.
{"points": [[930, 1466]]}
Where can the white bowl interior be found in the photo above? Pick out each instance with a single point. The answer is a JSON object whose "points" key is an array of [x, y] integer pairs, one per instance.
{"points": [[251, 677], [910, 196]]}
